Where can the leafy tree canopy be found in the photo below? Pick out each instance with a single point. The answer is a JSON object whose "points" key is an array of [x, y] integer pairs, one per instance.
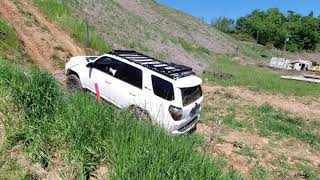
{"points": [[291, 30]]}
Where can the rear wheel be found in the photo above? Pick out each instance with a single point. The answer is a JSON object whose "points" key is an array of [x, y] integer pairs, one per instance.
{"points": [[194, 129], [73, 83], [139, 113]]}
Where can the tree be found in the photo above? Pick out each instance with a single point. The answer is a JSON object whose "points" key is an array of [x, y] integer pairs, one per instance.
{"points": [[223, 24], [272, 27]]}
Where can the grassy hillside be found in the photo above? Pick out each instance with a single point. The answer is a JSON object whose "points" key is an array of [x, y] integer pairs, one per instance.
{"points": [[50, 133], [159, 31], [55, 124], [47, 131]]}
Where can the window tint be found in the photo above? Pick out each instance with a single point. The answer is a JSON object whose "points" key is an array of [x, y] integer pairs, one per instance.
{"points": [[191, 94], [162, 88], [130, 74], [107, 65]]}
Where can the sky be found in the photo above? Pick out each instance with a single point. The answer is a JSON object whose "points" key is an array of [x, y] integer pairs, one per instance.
{"points": [[210, 9]]}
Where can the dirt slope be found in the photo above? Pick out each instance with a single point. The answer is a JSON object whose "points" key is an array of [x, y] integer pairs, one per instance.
{"points": [[46, 43]]}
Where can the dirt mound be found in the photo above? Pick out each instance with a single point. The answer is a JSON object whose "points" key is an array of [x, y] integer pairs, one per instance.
{"points": [[48, 45]]}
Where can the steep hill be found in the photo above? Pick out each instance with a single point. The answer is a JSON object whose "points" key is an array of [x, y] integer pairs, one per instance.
{"points": [[147, 26]]}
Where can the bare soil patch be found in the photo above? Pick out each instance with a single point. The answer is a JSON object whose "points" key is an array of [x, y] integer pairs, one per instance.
{"points": [[243, 148], [305, 107], [45, 42], [266, 152]]}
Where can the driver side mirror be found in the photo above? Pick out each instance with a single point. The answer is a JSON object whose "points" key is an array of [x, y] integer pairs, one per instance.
{"points": [[90, 65]]}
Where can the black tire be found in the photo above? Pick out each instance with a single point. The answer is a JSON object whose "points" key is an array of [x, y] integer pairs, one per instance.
{"points": [[73, 83], [193, 130], [139, 113]]}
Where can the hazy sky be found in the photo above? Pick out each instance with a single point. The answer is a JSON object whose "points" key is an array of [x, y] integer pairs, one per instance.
{"points": [[235, 8]]}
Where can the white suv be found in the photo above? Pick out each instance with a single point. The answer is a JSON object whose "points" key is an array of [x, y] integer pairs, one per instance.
{"points": [[168, 93]]}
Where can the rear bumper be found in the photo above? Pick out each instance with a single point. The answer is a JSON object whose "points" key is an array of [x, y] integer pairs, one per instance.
{"points": [[188, 127]]}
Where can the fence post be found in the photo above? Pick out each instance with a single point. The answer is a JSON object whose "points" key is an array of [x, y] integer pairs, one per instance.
{"points": [[88, 35]]}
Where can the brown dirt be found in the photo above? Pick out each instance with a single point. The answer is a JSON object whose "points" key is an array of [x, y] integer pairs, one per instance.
{"points": [[101, 173], [271, 153], [25, 163], [2, 132], [267, 150], [301, 107], [44, 41]]}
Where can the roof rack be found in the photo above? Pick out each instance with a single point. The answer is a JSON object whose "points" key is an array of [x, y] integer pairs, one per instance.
{"points": [[171, 70]]}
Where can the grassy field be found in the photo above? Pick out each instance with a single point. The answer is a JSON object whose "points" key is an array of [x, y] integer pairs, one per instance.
{"points": [[89, 135], [60, 12], [259, 79], [10, 47]]}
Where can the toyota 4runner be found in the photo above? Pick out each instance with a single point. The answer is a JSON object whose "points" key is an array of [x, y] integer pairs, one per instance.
{"points": [[168, 93]]}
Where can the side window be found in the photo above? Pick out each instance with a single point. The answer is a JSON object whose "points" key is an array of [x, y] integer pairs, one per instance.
{"points": [[107, 65], [130, 74], [162, 88], [102, 63]]}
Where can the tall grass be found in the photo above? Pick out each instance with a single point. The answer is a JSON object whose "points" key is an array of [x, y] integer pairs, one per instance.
{"points": [[259, 79], [91, 135], [58, 10]]}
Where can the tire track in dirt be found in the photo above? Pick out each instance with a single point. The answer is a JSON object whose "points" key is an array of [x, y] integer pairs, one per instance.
{"points": [[294, 105], [47, 44]]}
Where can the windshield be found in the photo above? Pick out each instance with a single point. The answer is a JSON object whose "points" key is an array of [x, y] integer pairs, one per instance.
{"points": [[191, 94]]}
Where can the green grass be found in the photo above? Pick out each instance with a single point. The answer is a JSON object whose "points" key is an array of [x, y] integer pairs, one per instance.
{"points": [[259, 79], [273, 122], [10, 46], [260, 173], [230, 120], [259, 53], [59, 11], [191, 48], [9, 39], [9, 169], [308, 173], [245, 150], [90, 135]]}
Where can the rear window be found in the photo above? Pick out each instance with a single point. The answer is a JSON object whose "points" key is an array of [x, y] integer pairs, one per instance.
{"points": [[191, 94], [162, 88]]}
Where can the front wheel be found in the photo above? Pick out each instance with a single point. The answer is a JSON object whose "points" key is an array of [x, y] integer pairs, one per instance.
{"points": [[73, 83]]}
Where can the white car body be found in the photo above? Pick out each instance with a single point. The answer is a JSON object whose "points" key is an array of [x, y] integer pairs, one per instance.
{"points": [[124, 95]]}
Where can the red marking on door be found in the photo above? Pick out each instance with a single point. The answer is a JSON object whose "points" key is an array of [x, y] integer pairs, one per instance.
{"points": [[98, 92]]}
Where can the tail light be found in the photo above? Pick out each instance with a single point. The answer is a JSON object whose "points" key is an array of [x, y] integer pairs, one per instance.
{"points": [[176, 113]]}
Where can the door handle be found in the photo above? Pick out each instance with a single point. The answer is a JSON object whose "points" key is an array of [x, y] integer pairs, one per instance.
{"points": [[107, 82], [132, 94]]}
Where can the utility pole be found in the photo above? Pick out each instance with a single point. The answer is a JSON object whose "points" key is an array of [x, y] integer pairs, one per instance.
{"points": [[285, 43], [257, 38]]}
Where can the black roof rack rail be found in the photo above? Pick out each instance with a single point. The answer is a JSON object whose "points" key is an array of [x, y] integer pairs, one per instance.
{"points": [[171, 70]]}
